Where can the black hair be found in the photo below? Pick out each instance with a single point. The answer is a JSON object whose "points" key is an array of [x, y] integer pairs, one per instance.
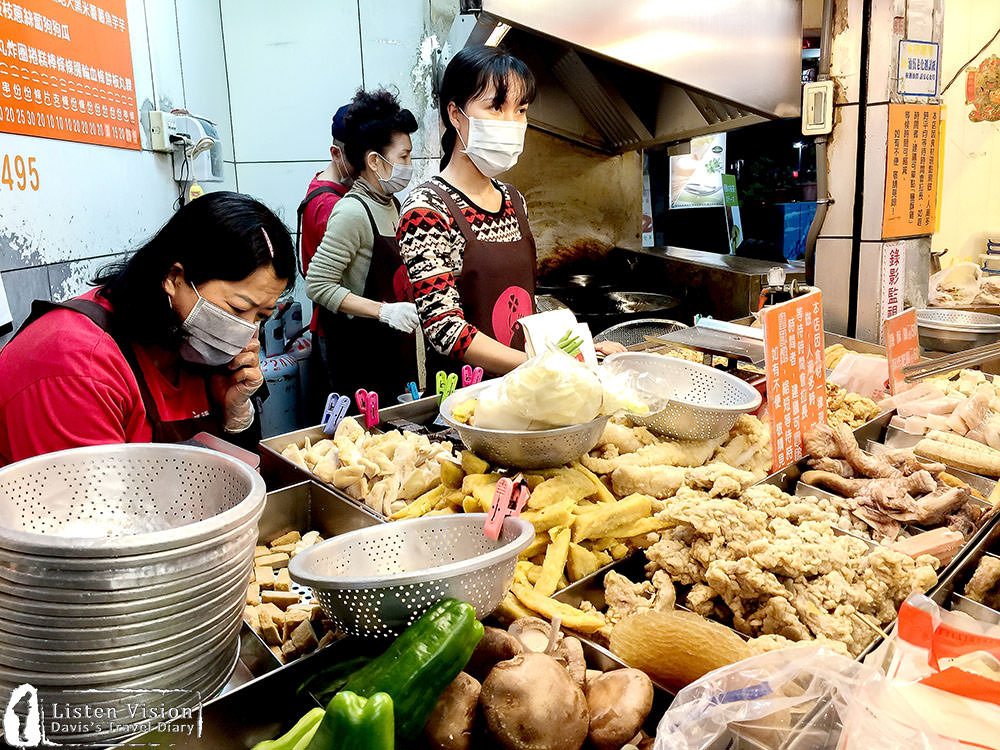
{"points": [[215, 236], [371, 121], [471, 72]]}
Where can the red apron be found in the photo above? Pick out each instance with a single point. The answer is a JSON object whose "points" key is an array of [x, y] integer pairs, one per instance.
{"points": [[363, 352], [497, 281], [176, 431]]}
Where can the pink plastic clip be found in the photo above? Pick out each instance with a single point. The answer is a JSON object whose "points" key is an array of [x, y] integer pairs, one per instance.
{"points": [[470, 376], [509, 499], [368, 406]]}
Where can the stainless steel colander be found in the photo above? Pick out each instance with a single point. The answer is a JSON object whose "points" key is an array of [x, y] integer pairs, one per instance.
{"points": [[116, 500], [523, 449], [377, 581], [704, 403]]}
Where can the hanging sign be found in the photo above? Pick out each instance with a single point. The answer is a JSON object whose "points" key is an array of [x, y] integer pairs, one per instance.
{"points": [[796, 373], [66, 71], [902, 347], [893, 273], [918, 68], [733, 222], [696, 178], [911, 170]]}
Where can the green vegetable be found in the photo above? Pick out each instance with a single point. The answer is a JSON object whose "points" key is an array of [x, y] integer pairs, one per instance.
{"points": [[329, 681], [421, 663], [296, 737], [355, 723]]}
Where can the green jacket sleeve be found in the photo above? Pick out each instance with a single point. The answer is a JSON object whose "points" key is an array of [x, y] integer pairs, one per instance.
{"points": [[328, 279]]}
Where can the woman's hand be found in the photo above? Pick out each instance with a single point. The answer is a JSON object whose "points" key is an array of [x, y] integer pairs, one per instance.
{"points": [[607, 348], [233, 391]]}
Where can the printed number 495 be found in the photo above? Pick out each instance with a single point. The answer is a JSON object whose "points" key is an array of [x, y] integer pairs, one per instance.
{"points": [[22, 176]]}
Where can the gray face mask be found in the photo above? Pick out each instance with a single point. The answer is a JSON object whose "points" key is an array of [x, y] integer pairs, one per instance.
{"points": [[213, 336]]}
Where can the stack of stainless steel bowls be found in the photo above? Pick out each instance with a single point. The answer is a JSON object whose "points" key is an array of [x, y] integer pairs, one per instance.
{"points": [[944, 330], [123, 575]]}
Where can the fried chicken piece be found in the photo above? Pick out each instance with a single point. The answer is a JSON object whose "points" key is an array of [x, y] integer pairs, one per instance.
{"points": [[748, 447], [892, 576], [623, 438], [984, 586], [701, 600], [655, 481], [625, 598], [675, 559], [778, 617], [666, 593]]}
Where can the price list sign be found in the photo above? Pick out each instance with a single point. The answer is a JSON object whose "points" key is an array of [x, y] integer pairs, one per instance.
{"points": [[796, 373], [902, 347], [66, 71]]}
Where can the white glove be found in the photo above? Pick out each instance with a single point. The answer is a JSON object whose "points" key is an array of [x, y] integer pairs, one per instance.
{"points": [[400, 315]]}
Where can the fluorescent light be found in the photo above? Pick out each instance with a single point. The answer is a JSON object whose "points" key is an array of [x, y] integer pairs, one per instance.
{"points": [[496, 36]]}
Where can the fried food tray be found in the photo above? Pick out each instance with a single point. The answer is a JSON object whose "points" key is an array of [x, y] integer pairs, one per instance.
{"points": [[279, 471]]}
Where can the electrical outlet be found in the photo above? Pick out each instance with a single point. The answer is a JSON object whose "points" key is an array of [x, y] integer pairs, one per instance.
{"points": [[162, 125]]}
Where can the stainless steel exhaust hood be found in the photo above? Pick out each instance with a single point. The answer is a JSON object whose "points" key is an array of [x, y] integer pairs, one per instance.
{"points": [[620, 76]]}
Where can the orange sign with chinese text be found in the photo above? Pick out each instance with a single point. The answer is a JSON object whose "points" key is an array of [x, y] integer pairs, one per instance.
{"points": [[796, 373], [911, 166], [66, 71], [902, 347]]}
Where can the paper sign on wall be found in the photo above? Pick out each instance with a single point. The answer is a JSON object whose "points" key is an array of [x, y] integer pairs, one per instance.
{"points": [[911, 171], [696, 178], [917, 74], [796, 373], [902, 347], [66, 72]]}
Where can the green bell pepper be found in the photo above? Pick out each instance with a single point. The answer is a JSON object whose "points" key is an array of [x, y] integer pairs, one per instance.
{"points": [[421, 663], [355, 723], [298, 736]]}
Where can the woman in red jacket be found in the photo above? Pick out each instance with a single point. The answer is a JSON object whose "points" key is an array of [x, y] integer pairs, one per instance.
{"points": [[165, 347]]}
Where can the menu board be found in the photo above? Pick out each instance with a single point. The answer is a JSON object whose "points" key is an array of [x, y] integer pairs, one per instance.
{"points": [[66, 71], [796, 373], [902, 347], [911, 171]]}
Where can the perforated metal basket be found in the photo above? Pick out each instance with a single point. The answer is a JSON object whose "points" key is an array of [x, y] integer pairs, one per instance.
{"points": [[528, 449], [633, 332], [944, 330], [377, 581], [116, 500], [704, 403]]}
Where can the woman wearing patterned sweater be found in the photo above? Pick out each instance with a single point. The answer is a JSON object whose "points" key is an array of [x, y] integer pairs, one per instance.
{"points": [[463, 235], [356, 278]]}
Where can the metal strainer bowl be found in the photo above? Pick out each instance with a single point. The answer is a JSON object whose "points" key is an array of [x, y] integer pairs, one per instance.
{"points": [[377, 581], [704, 402], [523, 449], [112, 500]]}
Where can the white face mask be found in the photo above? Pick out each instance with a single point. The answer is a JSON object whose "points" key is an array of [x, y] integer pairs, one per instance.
{"points": [[493, 145], [399, 179], [213, 336]]}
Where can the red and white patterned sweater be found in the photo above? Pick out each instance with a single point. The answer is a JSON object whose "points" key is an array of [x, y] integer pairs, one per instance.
{"points": [[433, 247]]}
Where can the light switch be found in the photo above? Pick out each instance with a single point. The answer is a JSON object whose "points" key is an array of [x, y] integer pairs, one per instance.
{"points": [[817, 108]]}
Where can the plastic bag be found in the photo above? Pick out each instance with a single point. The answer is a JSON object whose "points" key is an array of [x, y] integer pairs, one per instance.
{"points": [[867, 376], [943, 671], [764, 700], [935, 685], [955, 285]]}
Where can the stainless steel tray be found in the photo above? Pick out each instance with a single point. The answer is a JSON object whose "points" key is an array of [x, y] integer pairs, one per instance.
{"points": [[266, 707], [278, 471]]}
